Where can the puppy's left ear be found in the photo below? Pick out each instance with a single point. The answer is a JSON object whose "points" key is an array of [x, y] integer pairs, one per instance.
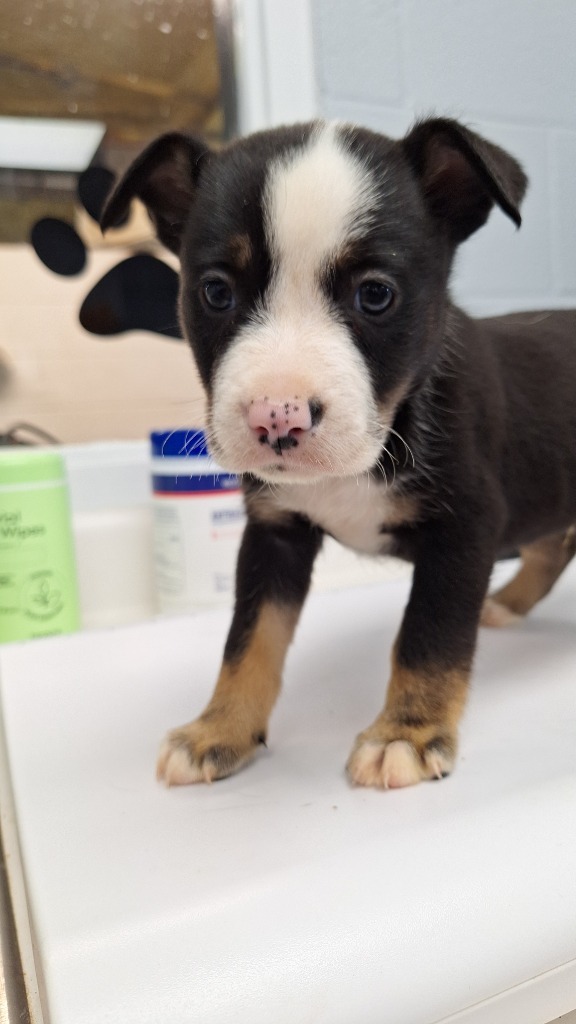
{"points": [[164, 177], [462, 175]]}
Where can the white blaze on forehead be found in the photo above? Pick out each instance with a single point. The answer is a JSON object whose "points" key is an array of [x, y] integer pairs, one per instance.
{"points": [[315, 200]]}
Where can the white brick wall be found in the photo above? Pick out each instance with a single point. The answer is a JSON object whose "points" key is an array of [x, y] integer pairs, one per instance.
{"points": [[506, 68]]}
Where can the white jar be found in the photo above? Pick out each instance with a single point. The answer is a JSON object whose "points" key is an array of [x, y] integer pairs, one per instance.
{"points": [[198, 523]]}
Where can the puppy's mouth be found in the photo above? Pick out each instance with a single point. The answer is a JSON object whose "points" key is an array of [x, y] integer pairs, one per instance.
{"points": [[295, 459], [291, 470], [289, 455], [288, 465]]}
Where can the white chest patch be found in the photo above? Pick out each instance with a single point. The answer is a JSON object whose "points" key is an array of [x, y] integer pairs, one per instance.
{"points": [[354, 510]]}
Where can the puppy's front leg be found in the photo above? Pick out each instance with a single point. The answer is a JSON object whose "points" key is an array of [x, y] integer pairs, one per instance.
{"points": [[273, 576], [415, 736]]}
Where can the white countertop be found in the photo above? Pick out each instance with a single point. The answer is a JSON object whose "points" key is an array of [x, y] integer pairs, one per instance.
{"points": [[282, 895]]}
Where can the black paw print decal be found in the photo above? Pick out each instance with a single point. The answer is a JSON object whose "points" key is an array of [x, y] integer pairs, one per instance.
{"points": [[140, 293]]}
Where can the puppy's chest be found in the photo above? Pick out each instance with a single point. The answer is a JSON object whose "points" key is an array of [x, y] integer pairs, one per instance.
{"points": [[359, 512]]}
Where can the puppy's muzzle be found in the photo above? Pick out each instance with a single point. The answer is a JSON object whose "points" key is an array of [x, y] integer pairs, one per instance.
{"points": [[283, 424]]}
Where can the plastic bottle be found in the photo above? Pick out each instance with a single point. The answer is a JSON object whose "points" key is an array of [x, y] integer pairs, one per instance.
{"points": [[198, 523], [38, 586]]}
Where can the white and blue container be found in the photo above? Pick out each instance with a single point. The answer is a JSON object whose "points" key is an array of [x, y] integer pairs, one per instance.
{"points": [[198, 523]]}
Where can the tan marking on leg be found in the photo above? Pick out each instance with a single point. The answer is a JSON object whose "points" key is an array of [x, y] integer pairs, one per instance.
{"points": [[228, 732], [415, 737], [542, 563]]}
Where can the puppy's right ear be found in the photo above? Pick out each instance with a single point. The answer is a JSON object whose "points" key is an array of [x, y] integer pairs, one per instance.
{"points": [[164, 177]]}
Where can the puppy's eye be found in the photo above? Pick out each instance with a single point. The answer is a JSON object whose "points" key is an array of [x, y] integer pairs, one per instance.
{"points": [[373, 297], [218, 295]]}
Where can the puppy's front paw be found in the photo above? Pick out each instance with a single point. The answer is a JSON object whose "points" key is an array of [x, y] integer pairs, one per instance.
{"points": [[386, 762], [202, 752]]}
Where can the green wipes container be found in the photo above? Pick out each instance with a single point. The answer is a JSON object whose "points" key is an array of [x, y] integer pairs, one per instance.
{"points": [[38, 587]]}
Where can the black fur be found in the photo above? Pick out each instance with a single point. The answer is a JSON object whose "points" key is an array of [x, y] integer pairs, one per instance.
{"points": [[275, 564]]}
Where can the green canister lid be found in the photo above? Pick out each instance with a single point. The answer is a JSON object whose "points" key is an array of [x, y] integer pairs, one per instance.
{"points": [[29, 466]]}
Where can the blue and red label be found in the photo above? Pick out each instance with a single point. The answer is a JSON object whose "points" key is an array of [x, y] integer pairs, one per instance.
{"points": [[182, 484]]}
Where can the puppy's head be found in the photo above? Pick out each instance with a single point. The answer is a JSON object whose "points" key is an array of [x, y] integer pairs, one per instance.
{"points": [[315, 262]]}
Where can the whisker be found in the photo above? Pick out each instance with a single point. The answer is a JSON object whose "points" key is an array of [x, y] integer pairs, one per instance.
{"points": [[389, 454], [380, 466], [406, 446]]}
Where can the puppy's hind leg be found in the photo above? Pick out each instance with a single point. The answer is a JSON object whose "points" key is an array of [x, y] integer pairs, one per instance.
{"points": [[542, 563]]}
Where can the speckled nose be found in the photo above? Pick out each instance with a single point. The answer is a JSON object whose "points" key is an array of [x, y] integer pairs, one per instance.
{"points": [[281, 424]]}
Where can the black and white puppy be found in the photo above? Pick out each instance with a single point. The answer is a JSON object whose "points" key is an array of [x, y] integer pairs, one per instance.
{"points": [[356, 400]]}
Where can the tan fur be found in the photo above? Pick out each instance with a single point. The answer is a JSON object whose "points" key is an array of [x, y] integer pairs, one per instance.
{"points": [[228, 732], [263, 507], [404, 510], [497, 616], [542, 563], [240, 248], [415, 736]]}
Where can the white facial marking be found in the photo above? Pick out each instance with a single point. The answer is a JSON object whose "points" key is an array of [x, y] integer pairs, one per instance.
{"points": [[316, 199]]}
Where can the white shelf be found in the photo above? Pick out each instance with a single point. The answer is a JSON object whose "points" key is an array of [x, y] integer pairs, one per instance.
{"points": [[282, 894]]}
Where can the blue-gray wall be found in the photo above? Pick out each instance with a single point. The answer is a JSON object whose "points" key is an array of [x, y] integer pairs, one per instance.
{"points": [[505, 67]]}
